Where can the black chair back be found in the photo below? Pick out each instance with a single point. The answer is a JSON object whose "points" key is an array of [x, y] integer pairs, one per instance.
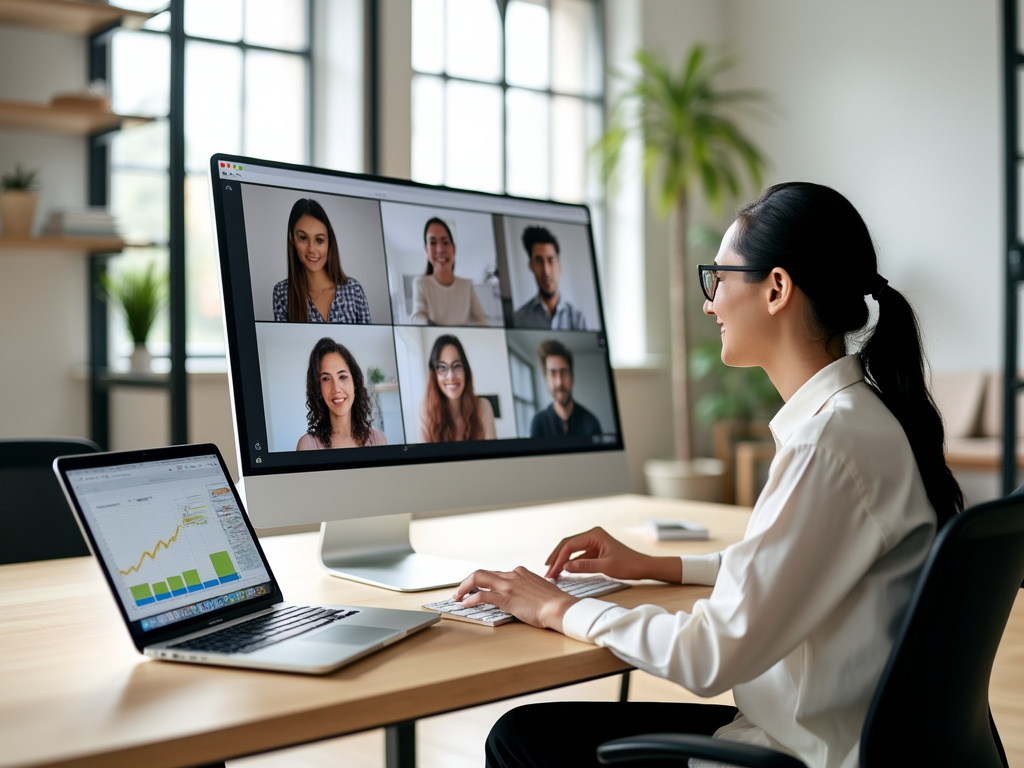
{"points": [[35, 520], [931, 705]]}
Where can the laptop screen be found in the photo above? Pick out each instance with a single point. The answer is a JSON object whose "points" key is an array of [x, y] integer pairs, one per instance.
{"points": [[171, 536]]}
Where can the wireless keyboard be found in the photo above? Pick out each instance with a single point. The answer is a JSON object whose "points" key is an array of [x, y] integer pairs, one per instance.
{"points": [[593, 585]]}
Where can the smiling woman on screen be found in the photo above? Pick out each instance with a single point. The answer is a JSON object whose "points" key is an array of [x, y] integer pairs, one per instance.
{"points": [[439, 297], [338, 408], [451, 411], [317, 289]]}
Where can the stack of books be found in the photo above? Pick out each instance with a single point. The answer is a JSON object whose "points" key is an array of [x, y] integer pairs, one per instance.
{"points": [[95, 220]]}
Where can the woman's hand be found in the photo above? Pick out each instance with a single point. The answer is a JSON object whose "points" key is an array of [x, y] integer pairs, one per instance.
{"points": [[597, 552], [530, 598]]}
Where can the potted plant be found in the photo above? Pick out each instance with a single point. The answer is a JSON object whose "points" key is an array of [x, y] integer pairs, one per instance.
{"points": [[140, 293], [736, 404], [691, 144], [18, 200], [376, 377]]}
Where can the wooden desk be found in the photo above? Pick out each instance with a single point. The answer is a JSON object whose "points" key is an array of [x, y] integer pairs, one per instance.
{"points": [[75, 692]]}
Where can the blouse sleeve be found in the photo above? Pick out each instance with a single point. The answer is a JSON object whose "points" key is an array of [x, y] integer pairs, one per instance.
{"points": [[280, 299], [362, 307], [476, 309], [420, 306], [751, 620]]}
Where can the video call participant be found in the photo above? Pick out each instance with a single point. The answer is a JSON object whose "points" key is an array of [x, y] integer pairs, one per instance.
{"points": [[316, 287], [338, 407], [564, 416], [546, 309], [451, 411], [439, 297], [804, 610]]}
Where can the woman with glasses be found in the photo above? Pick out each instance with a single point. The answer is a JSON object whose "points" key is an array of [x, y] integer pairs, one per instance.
{"points": [[451, 411], [338, 407], [804, 610]]}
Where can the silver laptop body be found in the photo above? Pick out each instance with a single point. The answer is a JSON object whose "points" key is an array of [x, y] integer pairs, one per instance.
{"points": [[176, 547]]}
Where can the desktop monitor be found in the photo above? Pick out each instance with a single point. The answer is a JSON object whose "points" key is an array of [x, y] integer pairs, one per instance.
{"points": [[391, 354]]}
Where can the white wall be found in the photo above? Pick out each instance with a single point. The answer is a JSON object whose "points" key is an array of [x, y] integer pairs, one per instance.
{"points": [[895, 104], [898, 106]]}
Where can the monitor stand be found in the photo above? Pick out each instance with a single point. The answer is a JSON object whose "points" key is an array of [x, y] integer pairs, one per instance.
{"points": [[377, 551]]}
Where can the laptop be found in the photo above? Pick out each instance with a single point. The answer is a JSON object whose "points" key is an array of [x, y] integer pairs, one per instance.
{"points": [[189, 576]]}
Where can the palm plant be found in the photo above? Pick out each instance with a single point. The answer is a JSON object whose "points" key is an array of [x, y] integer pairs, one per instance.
{"points": [[690, 141]]}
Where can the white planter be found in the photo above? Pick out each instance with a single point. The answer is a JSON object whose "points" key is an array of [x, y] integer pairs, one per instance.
{"points": [[698, 480], [17, 210], [140, 359]]}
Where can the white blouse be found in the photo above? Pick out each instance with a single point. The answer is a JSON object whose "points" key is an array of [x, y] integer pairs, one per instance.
{"points": [[805, 608]]}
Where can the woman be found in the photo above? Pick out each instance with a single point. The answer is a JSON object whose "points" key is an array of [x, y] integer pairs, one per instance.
{"points": [[316, 287], [803, 611], [338, 408], [451, 411], [439, 297]]}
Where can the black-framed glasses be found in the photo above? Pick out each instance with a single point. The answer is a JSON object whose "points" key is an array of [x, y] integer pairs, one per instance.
{"points": [[709, 279], [455, 369]]}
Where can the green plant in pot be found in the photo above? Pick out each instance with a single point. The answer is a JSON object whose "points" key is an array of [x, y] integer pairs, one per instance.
{"points": [[141, 293], [376, 376], [744, 396], [18, 200], [691, 145]]}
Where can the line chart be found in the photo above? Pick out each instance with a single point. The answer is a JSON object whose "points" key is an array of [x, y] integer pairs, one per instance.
{"points": [[152, 555]]}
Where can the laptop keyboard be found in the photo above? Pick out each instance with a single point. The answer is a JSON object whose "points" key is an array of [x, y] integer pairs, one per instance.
{"points": [[593, 585], [262, 631]]}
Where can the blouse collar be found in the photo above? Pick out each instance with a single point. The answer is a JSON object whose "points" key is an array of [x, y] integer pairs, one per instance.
{"points": [[814, 394]]}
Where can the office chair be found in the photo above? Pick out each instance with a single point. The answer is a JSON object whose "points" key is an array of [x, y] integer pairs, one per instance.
{"points": [[931, 705], [35, 520]]}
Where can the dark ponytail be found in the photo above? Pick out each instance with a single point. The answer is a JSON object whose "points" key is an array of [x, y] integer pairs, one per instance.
{"points": [[817, 236], [894, 366]]}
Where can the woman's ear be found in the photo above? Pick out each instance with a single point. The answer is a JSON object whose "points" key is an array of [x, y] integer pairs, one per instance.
{"points": [[780, 289]]}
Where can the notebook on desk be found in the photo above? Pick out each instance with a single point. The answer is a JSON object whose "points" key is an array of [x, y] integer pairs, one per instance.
{"points": [[189, 576]]}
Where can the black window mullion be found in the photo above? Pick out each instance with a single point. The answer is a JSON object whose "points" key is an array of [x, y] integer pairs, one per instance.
{"points": [[176, 236]]}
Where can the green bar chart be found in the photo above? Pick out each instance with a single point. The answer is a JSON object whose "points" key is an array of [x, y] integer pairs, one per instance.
{"points": [[175, 585]]}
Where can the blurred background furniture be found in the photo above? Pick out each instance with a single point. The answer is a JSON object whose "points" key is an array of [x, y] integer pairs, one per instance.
{"points": [[35, 520]]}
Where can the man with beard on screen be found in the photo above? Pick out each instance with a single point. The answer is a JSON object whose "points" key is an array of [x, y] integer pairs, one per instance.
{"points": [[564, 416], [547, 309]]}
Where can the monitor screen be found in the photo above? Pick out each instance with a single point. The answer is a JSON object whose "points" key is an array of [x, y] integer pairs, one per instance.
{"points": [[398, 348]]}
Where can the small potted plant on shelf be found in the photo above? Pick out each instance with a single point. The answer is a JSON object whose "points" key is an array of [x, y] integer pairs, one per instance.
{"points": [[141, 293], [18, 200]]}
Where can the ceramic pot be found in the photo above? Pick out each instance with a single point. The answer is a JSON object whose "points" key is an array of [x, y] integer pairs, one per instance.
{"points": [[17, 210], [140, 359], [698, 480]]}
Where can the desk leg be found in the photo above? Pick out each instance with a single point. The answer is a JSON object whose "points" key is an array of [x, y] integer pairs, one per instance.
{"points": [[400, 745], [624, 686]]}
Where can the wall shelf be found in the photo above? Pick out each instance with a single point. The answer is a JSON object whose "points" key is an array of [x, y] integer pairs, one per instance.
{"points": [[22, 115], [83, 244], [76, 17]]}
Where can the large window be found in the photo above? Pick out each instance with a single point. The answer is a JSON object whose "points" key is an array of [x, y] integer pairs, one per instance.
{"points": [[246, 91], [507, 95]]}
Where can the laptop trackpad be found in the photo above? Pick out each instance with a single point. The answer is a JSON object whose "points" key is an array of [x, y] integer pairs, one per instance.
{"points": [[350, 635]]}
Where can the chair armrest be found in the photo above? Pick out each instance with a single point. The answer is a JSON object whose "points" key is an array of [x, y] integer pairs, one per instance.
{"points": [[683, 746]]}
